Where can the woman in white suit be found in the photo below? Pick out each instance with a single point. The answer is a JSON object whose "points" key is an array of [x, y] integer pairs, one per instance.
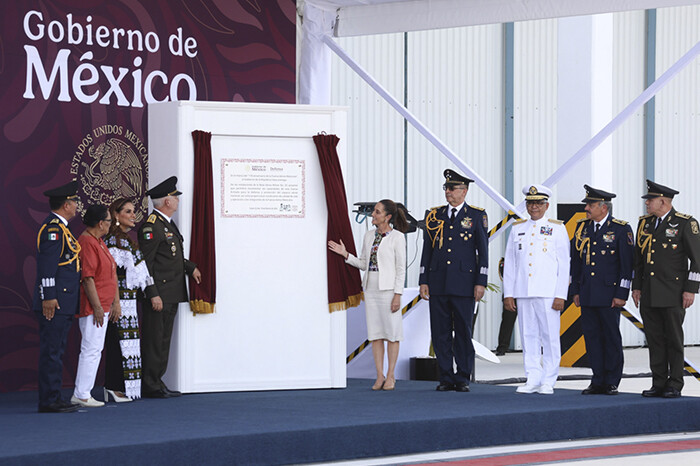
{"points": [[383, 259]]}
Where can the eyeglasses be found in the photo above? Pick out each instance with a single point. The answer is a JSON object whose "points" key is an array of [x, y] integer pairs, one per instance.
{"points": [[452, 188]]}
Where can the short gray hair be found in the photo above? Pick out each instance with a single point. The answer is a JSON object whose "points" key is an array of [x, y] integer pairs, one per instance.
{"points": [[158, 203]]}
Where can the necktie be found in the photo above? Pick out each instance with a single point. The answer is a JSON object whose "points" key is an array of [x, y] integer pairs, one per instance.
{"points": [[658, 222], [597, 227], [454, 214]]}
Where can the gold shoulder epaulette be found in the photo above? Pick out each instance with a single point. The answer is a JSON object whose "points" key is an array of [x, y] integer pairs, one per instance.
{"points": [[619, 222], [436, 207], [519, 221], [554, 220], [475, 207], [645, 216], [152, 218], [685, 216], [582, 220], [55, 220]]}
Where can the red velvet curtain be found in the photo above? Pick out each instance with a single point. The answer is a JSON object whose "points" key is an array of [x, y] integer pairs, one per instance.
{"points": [[344, 284], [202, 244]]}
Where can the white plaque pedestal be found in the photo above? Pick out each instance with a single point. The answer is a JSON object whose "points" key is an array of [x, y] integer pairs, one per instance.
{"points": [[271, 329]]}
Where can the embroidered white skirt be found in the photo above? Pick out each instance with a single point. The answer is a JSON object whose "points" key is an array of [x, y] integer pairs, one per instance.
{"points": [[382, 324]]}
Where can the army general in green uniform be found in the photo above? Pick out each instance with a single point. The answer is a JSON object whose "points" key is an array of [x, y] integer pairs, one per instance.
{"points": [[161, 244], [664, 285]]}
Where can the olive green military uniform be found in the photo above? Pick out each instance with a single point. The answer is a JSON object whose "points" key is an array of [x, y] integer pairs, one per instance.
{"points": [[662, 274], [161, 244]]}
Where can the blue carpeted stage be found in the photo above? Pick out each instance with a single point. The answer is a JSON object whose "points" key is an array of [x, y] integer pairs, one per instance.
{"points": [[322, 425]]}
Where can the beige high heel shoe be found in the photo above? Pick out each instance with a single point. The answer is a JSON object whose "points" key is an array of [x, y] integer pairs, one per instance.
{"points": [[389, 384], [116, 396], [378, 385]]}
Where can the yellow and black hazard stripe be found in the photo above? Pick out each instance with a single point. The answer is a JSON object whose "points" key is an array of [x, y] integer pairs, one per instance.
{"points": [[688, 366], [364, 345], [503, 223], [573, 346]]}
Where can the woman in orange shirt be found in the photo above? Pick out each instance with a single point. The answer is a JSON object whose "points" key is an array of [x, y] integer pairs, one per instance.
{"points": [[99, 301]]}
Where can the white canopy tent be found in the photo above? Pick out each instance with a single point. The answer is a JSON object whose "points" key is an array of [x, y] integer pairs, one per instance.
{"points": [[363, 17]]}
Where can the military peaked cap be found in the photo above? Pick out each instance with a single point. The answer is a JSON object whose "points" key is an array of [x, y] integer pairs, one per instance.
{"points": [[452, 178], [67, 191], [166, 188], [595, 195], [536, 192], [658, 190]]}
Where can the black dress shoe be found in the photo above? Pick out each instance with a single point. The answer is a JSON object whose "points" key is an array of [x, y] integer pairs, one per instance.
{"points": [[500, 353], [445, 387], [593, 390], [653, 392], [611, 390], [171, 393], [462, 387], [671, 392], [59, 406], [155, 394]]}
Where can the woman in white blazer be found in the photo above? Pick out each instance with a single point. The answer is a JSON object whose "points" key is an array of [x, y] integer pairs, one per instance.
{"points": [[383, 259]]}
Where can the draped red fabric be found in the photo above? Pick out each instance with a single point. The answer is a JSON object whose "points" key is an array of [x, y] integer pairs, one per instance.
{"points": [[344, 284], [202, 244]]}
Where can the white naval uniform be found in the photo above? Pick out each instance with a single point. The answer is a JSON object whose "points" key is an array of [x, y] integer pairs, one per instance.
{"points": [[536, 270]]}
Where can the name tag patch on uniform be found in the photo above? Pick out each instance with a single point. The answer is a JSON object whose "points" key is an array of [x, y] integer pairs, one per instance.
{"points": [[609, 237], [671, 232], [547, 231], [467, 222]]}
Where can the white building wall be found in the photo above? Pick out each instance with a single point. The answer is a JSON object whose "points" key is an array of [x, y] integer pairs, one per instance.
{"points": [[677, 161], [629, 34], [455, 86], [375, 155]]}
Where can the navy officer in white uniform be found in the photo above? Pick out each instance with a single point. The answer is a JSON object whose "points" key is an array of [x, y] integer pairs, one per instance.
{"points": [[535, 284], [602, 256], [453, 275]]}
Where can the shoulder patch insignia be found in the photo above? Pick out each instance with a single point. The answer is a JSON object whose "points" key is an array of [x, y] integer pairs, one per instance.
{"points": [[152, 218], [619, 222], [694, 227], [685, 216], [55, 220], [475, 207], [147, 228], [555, 221], [519, 221]]}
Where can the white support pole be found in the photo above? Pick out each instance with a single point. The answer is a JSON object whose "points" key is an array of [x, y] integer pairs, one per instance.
{"points": [[429, 135]]}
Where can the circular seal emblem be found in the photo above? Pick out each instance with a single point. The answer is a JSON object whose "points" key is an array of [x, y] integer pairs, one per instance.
{"points": [[111, 162], [533, 190]]}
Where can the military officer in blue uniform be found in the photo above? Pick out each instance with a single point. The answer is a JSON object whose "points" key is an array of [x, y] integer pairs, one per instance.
{"points": [[664, 286], [162, 246], [602, 254], [453, 275], [56, 294]]}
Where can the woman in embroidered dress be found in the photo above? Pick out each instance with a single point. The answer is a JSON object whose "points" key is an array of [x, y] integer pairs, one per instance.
{"points": [[123, 346], [383, 259]]}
